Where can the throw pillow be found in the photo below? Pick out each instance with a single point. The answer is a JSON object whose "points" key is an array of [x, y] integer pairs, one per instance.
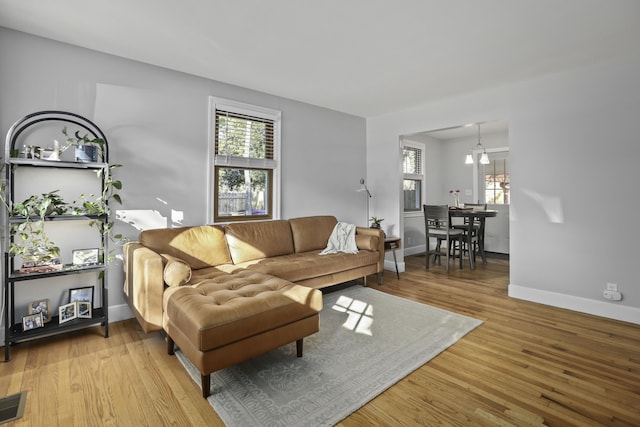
{"points": [[176, 271]]}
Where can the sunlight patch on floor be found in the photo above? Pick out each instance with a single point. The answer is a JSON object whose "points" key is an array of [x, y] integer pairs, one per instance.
{"points": [[360, 314]]}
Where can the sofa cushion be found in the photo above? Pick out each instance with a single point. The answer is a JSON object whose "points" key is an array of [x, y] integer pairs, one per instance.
{"points": [[311, 233], [199, 246], [203, 274], [176, 271], [230, 308], [307, 265], [256, 240]]}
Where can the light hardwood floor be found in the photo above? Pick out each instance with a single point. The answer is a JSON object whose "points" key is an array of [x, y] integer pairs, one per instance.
{"points": [[527, 364]]}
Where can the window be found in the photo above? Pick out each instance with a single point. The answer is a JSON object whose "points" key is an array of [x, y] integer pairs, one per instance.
{"points": [[245, 143], [496, 179], [413, 177]]}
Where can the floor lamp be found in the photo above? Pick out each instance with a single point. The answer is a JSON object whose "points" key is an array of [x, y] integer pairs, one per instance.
{"points": [[363, 189]]}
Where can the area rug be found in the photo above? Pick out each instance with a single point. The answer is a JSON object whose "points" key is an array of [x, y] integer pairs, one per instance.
{"points": [[368, 341]]}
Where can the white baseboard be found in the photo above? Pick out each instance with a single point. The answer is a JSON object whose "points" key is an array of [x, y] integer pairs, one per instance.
{"points": [[611, 310], [119, 312], [414, 250], [391, 266]]}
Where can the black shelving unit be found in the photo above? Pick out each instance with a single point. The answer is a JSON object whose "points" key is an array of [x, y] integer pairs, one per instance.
{"points": [[19, 134]]}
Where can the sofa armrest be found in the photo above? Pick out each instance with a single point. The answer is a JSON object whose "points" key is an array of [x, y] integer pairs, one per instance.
{"points": [[144, 284], [375, 232]]}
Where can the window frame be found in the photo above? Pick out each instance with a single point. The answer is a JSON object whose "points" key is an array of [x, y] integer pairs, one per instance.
{"points": [[219, 161], [478, 173], [414, 177]]}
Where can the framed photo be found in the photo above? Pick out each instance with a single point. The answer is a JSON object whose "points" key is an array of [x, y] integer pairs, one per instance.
{"points": [[84, 256], [83, 310], [67, 312], [81, 295], [32, 321], [42, 306]]}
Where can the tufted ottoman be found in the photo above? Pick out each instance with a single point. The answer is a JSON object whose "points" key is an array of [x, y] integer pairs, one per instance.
{"points": [[225, 319]]}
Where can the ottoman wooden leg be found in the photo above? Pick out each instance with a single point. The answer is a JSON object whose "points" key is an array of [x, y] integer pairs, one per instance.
{"points": [[170, 346], [206, 384], [299, 347]]}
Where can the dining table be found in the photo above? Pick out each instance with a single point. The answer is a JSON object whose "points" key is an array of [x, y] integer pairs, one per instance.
{"points": [[478, 216]]}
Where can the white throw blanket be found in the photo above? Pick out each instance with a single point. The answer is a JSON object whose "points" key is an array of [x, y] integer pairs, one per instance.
{"points": [[342, 239]]}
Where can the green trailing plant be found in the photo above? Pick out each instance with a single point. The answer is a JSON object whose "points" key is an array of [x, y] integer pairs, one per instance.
{"points": [[97, 205], [33, 244], [40, 206], [78, 140], [30, 240]]}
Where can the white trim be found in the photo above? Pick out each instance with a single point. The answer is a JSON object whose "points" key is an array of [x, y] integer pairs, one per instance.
{"points": [[415, 250], [275, 164], [611, 310], [415, 176], [119, 312], [390, 267], [245, 162], [242, 108], [412, 144], [413, 214]]}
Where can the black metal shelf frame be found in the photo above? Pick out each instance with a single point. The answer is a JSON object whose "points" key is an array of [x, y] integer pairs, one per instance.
{"points": [[13, 329]]}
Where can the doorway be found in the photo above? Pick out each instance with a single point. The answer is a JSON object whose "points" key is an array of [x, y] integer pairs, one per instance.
{"points": [[445, 171]]}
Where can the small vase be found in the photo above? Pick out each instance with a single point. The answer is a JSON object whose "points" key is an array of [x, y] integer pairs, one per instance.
{"points": [[456, 201]]}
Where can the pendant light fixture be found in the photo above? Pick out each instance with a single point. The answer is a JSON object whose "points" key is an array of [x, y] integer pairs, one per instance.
{"points": [[468, 160], [484, 158]]}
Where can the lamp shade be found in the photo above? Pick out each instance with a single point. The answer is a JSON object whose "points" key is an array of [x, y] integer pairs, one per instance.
{"points": [[468, 160], [484, 159]]}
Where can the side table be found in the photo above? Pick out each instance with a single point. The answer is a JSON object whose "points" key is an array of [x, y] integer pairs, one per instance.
{"points": [[391, 244]]}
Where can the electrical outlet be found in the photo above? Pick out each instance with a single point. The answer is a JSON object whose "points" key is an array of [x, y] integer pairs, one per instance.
{"points": [[612, 295], [409, 240], [612, 286]]}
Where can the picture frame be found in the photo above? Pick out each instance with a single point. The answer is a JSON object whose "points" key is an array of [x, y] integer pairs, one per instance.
{"points": [[67, 312], [80, 257], [32, 321], [41, 306], [84, 294], [83, 310]]}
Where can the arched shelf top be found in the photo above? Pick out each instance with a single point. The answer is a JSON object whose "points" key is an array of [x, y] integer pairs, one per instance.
{"points": [[40, 117]]}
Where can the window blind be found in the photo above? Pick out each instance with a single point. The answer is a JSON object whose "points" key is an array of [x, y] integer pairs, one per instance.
{"points": [[243, 140], [412, 161]]}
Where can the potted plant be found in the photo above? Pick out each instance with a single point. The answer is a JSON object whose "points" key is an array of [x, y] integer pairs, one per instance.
{"points": [[86, 148], [375, 222], [30, 240]]}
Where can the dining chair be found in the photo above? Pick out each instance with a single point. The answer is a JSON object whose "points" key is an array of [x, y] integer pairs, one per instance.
{"points": [[438, 225], [475, 228]]}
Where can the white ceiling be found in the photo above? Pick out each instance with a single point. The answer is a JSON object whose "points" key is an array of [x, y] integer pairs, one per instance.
{"points": [[364, 57], [463, 131]]}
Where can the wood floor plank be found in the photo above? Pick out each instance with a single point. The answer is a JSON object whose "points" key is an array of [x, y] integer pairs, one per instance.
{"points": [[526, 365]]}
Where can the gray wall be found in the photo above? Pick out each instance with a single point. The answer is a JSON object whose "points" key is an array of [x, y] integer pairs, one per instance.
{"points": [[574, 153], [156, 123]]}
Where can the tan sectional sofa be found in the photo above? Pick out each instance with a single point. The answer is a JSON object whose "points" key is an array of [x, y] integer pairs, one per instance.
{"points": [[227, 293]]}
